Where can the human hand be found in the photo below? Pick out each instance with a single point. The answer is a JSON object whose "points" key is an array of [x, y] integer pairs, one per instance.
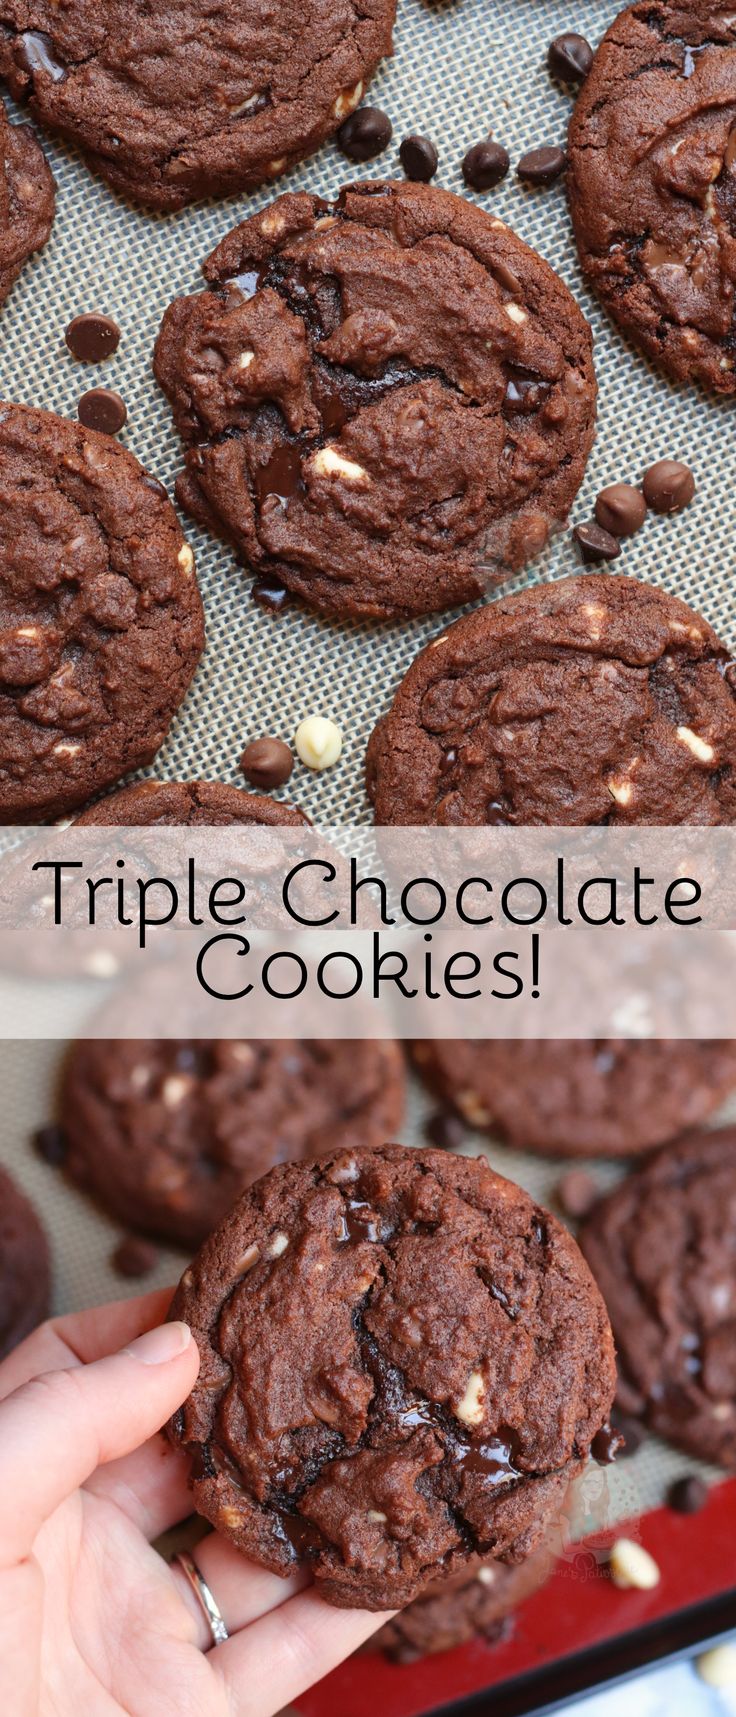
{"points": [[92, 1620]]}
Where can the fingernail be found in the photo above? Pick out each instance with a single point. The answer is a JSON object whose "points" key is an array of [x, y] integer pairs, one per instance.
{"points": [[160, 1345]]}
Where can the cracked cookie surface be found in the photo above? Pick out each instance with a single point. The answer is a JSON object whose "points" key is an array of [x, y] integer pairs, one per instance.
{"points": [[27, 200], [178, 101], [652, 184], [661, 1247], [167, 1133], [101, 624], [404, 1363], [592, 700], [24, 1266], [387, 402]]}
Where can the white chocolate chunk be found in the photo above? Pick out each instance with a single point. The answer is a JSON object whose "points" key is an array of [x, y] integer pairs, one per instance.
{"points": [[474, 1111], [272, 223], [278, 1244], [470, 1408], [346, 101], [486, 1576], [278, 166], [175, 1089], [185, 559], [101, 964], [66, 750], [515, 313], [250, 1257], [621, 791], [318, 742], [632, 1566], [718, 1667], [329, 463], [27, 632], [245, 360], [699, 747], [375, 1514]]}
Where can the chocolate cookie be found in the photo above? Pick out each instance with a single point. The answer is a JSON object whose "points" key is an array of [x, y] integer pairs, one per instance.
{"points": [[167, 1133], [612, 1098], [178, 101], [404, 1362], [210, 804], [662, 1248], [25, 1275], [101, 622], [387, 402], [27, 200], [652, 184], [593, 700], [463, 1608]]}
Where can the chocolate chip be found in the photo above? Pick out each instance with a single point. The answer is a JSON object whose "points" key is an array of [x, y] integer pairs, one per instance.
{"points": [[606, 1445], [269, 593], [485, 165], [569, 57], [92, 338], [668, 486], [365, 134], [444, 1130], [576, 1192], [688, 1495], [102, 409], [621, 509], [418, 158], [51, 1144], [632, 1432], [542, 166], [134, 1257], [267, 762], [595, 544]]}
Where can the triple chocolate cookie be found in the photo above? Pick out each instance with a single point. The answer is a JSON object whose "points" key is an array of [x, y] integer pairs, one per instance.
{"points": [[191, 804], [608, 1097], [652, 184], [662, 1248], [178, 101], [404, 1363], [27, 200], [167, 1133], [593, 700], [101, 624], [25, 1275], [469, 1606], [387, 402]]}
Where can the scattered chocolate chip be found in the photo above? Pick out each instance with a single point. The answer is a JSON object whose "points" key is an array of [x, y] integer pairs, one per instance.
{"points": [[606, 1445], [51, 1144], [668, 486], [576, 1193], [103, 409], [134, 1257], [92, 338], [621, 509], [630, 1429], [365, 134], [542, 166], [595, 544], [485, 165], [444, 1130], [688, 1495], [268, 593], [267, 763], [569, 57], [418, 158]]}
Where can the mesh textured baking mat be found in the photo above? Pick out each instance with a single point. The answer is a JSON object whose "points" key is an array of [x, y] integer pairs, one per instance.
{"points": [[459, 70]]}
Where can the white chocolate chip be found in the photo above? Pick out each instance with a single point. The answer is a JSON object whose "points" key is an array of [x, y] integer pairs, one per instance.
{"points": [[470, 1408], [347, 101], [187, 1278], [632, 1566], [272, 223], [250, 1257], [596, 614], [318, 742], [175, 1089], [329, 463], [27, 632], [325, 221], [101, 964], [699, 747], [486, 1576], [278, 166], [278, 1245], [245, 360], [718, 1667], [375, 1514], [140, 1077], [66, 750], [229, 1516], [515, 313], [185, 559], [474, 1111], [621, 791], [435, 644]]}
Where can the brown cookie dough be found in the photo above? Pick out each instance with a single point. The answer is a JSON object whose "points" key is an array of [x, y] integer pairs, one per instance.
{"points": [[209, 804], [466, 1607], [404, 1362], [167, 1133], [662, 1248], [593, 700], [652, 184], [101, 623], [27, 200], [610, 1097], [182, 100], [387, 402], [25, 1275]]}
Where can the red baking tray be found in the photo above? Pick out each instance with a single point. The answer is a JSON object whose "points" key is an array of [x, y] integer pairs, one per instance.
{"points": [[577, 1633]]}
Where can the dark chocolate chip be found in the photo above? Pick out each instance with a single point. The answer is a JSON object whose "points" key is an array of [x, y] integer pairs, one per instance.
{"points": [[92, 337], [631, 1430], [134, 1257], [51, 1144], [267, 762], [542, 166], [569, 57], [102, 409], [576, 1193], [418, 158], [268, 593], [365, 134], [606, 1445], [595, 544], [485, 165], [444, 1130], [688, 1495], [621, 509], [668, 486]]}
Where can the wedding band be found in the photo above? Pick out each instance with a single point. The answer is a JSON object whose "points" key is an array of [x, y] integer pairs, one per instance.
{"points": [[205, 1598]]}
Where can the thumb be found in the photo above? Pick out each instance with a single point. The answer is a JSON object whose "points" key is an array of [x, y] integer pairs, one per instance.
{"points": [[57, 1429]]}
